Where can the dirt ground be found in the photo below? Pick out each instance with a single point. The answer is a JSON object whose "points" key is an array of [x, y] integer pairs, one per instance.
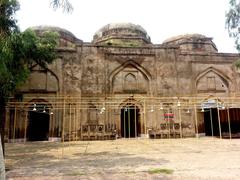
{"points": [[190, 158]]}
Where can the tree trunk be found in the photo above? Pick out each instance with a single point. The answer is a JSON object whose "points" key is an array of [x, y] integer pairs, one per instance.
{"points": [[2, 121], [2, 132], [2, 164]]}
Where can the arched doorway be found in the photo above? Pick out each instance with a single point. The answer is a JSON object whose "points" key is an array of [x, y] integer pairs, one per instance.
{"points": [[130, 123], [38, 123]]}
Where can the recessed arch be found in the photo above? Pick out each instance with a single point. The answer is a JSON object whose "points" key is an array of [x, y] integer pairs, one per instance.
{"points": [[138, 68], [212, 80], [49, 81]]}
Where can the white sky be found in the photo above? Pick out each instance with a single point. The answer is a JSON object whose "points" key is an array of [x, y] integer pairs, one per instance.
{"points": [[161, 19]]}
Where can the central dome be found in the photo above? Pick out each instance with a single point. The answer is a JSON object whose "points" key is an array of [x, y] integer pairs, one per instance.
{"points": [[121, 34]]}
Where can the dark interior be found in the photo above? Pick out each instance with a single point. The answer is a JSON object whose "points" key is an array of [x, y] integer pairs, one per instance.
{"points": [[129, 122], [38, 127], [231, 116]]}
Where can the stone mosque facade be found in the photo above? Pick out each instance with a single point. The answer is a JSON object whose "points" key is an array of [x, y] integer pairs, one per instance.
{"points": [[121, 85]]}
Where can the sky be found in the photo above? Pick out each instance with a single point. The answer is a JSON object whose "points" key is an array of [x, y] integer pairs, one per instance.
{"points": [[161, 19]]}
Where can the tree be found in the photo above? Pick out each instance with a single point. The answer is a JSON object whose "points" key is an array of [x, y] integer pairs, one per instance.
{"points": [[233, 21], [233, 24], [17, 52], [65, 5]]}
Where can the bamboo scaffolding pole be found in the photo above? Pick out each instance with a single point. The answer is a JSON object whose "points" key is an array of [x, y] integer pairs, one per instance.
{"points": [[25, 126], [63, 126], [229, 123], [211, 121], [53, 122], [7, 125], [75, 123], [196, 120], [50, 126], [180, 123], [124, 122], [113, 104], [219, 121], [169, 125], [79, 122], [135, 120], [129, 128], [145, 118], [14, 124], [70, 124]]}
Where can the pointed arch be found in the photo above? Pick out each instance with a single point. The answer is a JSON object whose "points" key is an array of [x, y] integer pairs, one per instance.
{"points": [[136, 66], [41, 78], [211, 82], [131, 101], [219, 73], [130, 81]]}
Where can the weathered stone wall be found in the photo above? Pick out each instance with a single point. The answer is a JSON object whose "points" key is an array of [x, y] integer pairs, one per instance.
{"points": [[177, 68]]}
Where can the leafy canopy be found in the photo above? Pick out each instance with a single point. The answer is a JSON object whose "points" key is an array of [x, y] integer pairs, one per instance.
{"points": [[233, 21], [18, 51], [65, 5]]}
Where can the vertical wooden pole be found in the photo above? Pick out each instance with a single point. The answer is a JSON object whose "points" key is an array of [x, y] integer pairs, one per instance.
{"points": [[168, 124], [53, 122], [124, 122], [7, 122], [135, 120], [14, 123], [75, 123], [129, 128], [145, 117], [196, 119], [63, 125], [229, 124], [180, 122], [219, 121], [50, 125], [211, 121], [25, 126], [70, 123]]}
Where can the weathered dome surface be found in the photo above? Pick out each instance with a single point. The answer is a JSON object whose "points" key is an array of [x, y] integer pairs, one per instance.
{"points": [[184, 37], [192, 42], [121, 33], [64, 34]]}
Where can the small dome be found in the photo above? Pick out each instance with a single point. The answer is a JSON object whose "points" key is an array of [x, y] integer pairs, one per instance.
{"points": [[64, 34], [184, 37], [121, 34], [192, 42]]}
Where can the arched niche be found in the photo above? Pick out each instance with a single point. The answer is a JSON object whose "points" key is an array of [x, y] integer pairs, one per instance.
{"points": [[41, 79], [130, 82], [212, 81], [130, 77]]}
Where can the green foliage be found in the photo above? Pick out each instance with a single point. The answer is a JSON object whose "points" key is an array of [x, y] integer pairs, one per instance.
{"points": [[158, 171], [233, 21], [237, 64], [123, 43], [7, 20], [18, 52]]}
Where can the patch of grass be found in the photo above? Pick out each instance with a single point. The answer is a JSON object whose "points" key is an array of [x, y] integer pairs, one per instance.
{"points": [[75, 174], [160, 170]]}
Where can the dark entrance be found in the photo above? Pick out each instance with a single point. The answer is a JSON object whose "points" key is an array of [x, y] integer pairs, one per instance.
{"points": [[229, 119], [211, 122], [130, 125], [38, 127]]}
